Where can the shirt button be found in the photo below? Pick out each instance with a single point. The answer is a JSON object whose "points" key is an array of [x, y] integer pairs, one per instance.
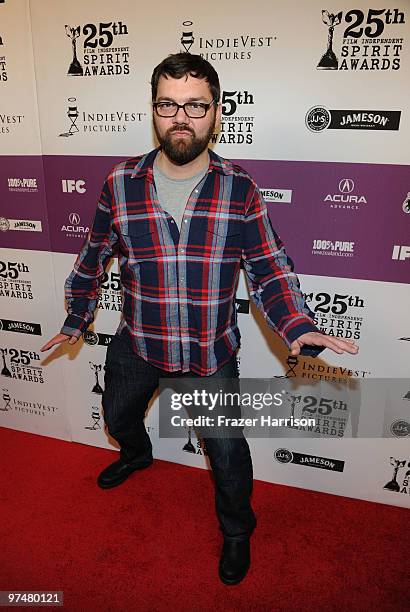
{"points": [[185, 220], [196, 191], [181, 250], [172, 221]]}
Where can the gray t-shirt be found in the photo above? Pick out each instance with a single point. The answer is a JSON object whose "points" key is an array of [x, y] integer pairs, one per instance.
{"points": [[173, 194]]}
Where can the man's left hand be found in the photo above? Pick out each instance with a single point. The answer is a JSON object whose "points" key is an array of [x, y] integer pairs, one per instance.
{"points": [[316, 339]]}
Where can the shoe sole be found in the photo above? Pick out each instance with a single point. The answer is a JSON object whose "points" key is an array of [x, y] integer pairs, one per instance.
{"points": [[230, 581], [118, 482]]}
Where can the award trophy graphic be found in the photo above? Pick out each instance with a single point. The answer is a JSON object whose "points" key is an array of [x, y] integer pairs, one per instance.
{"points": [[393, 485], [5, 371], [329, 61], [75, 68], [97, 387], [73, 115], [406, 203], [189, 447]]}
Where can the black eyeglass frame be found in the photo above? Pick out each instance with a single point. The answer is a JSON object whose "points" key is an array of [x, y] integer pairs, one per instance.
{"points": [[205, 106]]}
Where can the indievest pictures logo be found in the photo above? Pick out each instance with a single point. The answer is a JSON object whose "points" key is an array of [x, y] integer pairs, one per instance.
{"points": [[97, 123], [216, 47]]}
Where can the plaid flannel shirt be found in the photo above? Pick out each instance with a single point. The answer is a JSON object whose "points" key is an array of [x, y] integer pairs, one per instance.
{"points": [[179, 286]]}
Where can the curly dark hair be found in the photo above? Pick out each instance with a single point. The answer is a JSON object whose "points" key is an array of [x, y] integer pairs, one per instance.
{"points": [[179, 65]]}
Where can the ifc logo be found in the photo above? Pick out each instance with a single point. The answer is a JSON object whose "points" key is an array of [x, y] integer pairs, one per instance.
{"points": [[317, 119]]}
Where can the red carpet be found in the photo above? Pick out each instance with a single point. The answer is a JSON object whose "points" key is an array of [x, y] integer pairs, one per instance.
{"points": [[152, 544]]}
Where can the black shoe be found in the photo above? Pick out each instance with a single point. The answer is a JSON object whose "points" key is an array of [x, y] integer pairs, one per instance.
{"points": [[235, 561], [118, 472]]}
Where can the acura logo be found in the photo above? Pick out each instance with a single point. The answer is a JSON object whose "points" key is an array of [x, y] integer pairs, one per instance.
{"points": [[74, 218], [346, 186]]}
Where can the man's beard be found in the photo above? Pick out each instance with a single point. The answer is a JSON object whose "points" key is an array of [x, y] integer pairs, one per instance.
{"points": [[183, 150]]}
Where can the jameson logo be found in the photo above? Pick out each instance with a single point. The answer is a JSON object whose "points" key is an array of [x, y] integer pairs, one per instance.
{"points": [[21, 327], [319, 118], [93, 339], [283, 455], [94, 122], [336, 314], [400, 481], [237, 125], [25, 225], [358, 40], [20, 224], [238, 47], [13, 283], [97, 49]]}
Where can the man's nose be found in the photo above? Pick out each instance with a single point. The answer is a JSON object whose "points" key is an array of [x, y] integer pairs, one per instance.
{"points": [[181, 116]]}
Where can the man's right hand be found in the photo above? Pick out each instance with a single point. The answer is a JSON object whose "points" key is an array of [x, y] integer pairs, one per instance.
{"points": [[57, 340]]}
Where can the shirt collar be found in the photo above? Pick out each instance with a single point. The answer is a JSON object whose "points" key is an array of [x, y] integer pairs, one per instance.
{"points": [[144, 168]]}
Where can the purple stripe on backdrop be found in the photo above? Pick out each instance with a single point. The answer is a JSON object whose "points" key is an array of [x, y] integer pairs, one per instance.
{"points": [[371, 215], [73, 187], [354, 209]]}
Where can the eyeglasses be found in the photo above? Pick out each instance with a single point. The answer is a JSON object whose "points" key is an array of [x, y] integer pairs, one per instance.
{"points": [[194, 110]]}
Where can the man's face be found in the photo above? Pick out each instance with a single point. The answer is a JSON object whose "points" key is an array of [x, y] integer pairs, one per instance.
{"points": [[181, 137]]}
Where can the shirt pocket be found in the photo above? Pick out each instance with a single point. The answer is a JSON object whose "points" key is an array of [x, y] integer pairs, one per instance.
{"points": [[139, 242], [225, 239]]}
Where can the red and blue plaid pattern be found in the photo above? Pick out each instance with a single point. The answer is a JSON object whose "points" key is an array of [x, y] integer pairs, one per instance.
{"points": [[179, 286]]}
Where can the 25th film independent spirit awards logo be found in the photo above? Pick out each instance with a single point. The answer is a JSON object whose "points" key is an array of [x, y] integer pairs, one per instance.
{"points": [[336, 314], [95, 122], [358, 40], [15, 280], [99, 49], [21, 364]]}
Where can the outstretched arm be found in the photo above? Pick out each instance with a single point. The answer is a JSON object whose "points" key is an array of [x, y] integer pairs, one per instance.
{"points": [[275, 288]]}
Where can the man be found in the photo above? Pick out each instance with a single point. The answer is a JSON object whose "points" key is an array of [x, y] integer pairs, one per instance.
{"points": [[181, 219]]}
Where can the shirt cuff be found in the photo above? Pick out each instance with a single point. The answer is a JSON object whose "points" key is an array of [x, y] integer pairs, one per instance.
{"points": [[304, 327], [74, 325]]}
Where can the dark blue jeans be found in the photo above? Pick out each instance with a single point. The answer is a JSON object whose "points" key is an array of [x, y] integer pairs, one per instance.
{"points": [[130, 382]]}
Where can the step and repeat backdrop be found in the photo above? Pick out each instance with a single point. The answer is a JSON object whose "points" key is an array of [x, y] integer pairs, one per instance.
{"points": [[315, 107]]}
